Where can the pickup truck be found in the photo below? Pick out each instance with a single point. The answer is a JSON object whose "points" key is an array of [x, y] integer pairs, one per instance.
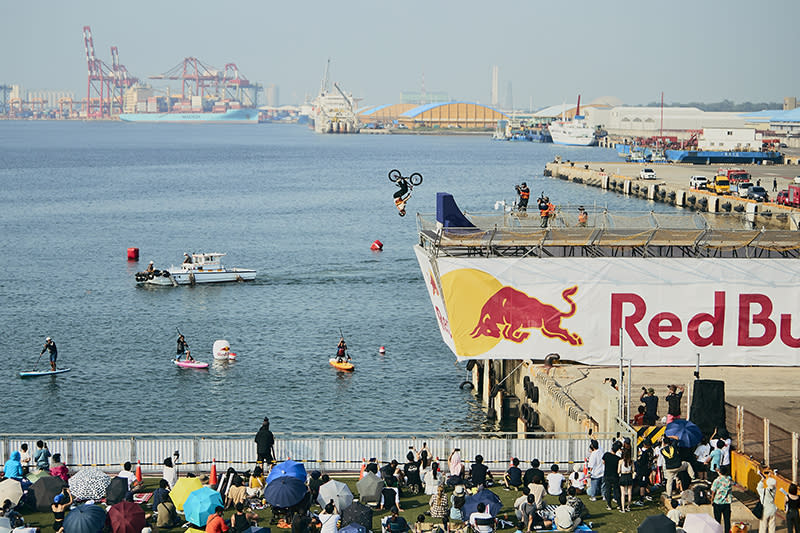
{"points": [[698, 182], [719, 185], [743, 188]]}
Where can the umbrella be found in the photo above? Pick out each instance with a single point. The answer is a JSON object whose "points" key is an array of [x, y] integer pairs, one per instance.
{"points": [[182, 489], [10, 489], [34, 476], [336, 491], [201, 504], [85, 519], [687, 433], [45, 489], [353, 528], [492, 501], [285, 492], [288, 468], [369, 488], [357, 515], [701, 523], [126, 517], [117, 490], [89, 484], [657, 524]]}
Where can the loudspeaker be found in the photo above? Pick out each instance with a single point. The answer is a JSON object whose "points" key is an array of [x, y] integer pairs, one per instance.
{"points": [[708, 405]]}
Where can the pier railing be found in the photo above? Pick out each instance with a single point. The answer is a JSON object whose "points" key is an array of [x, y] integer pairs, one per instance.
{"points": [[327, 452], [763, 441]]}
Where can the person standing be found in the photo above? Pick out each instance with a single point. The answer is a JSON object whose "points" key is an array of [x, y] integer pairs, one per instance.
{"points": [[50, 346], [596, 471], [265, 446], [774, 184], [42, 456], [611, 475], [25, 458], [792, 505], [583, 217], [544, 210], [721, 497], [183, 346], [524, 194], [674, 402], [650, 401], [766, 493]]}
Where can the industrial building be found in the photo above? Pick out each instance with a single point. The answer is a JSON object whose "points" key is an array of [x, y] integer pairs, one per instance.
{"points": [[451, 115]]}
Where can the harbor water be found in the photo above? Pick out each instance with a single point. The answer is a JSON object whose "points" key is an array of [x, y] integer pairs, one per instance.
{"points": [[299, 207]]}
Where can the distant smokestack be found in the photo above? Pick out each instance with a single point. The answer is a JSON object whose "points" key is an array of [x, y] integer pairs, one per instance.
{"points": [[495, 82]]}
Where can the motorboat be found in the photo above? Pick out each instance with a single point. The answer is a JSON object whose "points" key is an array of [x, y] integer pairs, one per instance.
{"points": [[196, 268]]}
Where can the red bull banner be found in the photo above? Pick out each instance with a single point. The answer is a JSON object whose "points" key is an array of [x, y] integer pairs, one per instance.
{"points": [[730, 311]]}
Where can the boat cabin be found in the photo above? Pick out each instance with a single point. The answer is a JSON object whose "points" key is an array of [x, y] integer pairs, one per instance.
{"points": [[203, 261]]}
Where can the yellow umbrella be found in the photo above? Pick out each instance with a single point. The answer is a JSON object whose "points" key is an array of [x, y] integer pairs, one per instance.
{"points": [[182, 489]]}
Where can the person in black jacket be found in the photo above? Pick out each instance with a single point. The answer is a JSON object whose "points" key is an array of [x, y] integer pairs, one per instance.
{"points": [[265, 446]]}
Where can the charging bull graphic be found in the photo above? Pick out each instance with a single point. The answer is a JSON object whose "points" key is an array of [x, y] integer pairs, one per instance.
{"points": [[508, 312]]}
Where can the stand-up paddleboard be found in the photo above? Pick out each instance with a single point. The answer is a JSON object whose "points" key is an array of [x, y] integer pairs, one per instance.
{"points": [[345, 366], [190, 364], [36, 373]]}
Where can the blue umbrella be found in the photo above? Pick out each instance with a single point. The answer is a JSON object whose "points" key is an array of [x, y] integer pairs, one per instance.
{"points": [[687, 433], [285, 492], [85, 519], [288, 468], [200, 505], [492, 501]]}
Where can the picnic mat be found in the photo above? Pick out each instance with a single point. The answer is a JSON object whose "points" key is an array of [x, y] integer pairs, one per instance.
{"points": [[142, 497]]}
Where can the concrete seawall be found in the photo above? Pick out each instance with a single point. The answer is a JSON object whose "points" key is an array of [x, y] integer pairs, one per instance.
{"points": [[673, 189]]}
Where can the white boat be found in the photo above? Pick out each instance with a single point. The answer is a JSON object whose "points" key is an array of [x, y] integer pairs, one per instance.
{"points": [[575, 132], [196, 268]]}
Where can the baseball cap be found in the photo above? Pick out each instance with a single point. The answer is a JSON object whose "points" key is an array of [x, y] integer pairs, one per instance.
{"points": [[48, 339], [651, 390], [58, 498]]}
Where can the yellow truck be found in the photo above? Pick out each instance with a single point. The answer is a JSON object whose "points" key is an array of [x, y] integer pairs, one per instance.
{"points": [[719, 184]]}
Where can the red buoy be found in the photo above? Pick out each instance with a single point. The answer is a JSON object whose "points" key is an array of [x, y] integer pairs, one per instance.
{"points": [[382, 350], [133, 254], [376, 246]]}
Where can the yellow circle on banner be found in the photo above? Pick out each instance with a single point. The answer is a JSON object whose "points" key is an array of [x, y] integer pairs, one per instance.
{"points": [[465, 291]]}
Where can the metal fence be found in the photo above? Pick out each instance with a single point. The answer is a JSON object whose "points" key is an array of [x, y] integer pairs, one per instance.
{"points": [[765, 442], [324, 452]]}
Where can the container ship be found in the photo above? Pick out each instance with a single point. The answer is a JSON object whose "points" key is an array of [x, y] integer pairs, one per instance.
{"points": [[232, 116], [143, 106]]}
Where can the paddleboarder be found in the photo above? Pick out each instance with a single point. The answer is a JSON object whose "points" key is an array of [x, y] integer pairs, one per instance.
{"points": [[183, 346], [341, 352], [50, 346]]}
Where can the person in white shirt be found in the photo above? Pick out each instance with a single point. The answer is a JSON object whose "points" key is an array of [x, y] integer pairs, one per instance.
{"points": [[596, 470], [328, 519], [130, 476], [563, 517], [25, 458], [481, 520], [169, 472], [675, 513], [577, 478], [555, 481], [703, 455]]}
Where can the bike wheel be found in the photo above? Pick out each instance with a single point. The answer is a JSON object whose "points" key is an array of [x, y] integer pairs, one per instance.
{"points": [[415, 178], [394, 175]]}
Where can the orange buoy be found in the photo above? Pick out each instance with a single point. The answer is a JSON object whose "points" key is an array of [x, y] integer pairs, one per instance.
{"points": [[213, 475], [376, 246], [133, 254], [382, 350], [139, 471]]}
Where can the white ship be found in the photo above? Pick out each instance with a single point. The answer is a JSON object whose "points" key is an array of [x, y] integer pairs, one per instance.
{"points": [[575, 132], [334, 112]]}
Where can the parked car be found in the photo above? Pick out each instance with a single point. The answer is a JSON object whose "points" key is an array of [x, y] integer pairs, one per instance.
{"points": [[743, 188], [759, 194], [698, 182], [647, 174], [783, 197], [797, 179]]}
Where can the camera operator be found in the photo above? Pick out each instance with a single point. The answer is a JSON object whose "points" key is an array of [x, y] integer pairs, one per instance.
{"points": [[524, 195]]}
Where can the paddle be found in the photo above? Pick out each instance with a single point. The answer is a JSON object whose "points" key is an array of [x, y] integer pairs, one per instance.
{"points": [[36, 365]]}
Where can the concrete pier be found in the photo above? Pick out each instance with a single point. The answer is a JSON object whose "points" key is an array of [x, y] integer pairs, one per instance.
{"points": [[672, 187]]}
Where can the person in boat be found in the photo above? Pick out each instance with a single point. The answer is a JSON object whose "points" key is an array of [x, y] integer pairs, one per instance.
{"points": [[183, 348], [341, 352], [150, 268], [50, 346], [187, 259], [401, 196]]}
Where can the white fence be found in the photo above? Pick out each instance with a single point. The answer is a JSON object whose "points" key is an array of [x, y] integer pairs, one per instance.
{"points": [[324, 452]]}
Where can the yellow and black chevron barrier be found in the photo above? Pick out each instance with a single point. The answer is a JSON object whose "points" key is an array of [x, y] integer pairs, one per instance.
{"points": [[651, 433]]}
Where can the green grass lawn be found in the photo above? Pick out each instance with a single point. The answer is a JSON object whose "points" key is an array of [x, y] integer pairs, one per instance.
{"points": [[602, 520]]}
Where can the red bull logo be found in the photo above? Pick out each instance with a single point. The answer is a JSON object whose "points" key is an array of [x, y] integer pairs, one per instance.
{"points": [[509, 312]]}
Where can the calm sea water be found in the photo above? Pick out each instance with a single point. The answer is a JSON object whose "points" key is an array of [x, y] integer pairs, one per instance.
{"points": [[300, 208]]}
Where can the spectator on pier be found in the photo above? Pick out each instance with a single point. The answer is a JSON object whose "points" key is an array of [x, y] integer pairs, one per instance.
{"points": [[257, 483], [329, 519], [61, 503], [524, 195], [564, 515], [596, 470], [533, 472], [650, 401], [702, 455], [638, 419], [411, 473], [555, 481], [674, 513], [25, 458], [721, 497], [792, 508], [390, 495], [314, 484], [215, 522], [390, 471], [674, 402], [161, 494], [127, 473], [432, 479], [438, 503], [394, 523], [538, 491], [583, 217], [577, 504], [481, 520], [577, 479], [265, 446], [513, 476], [642, 467], [531, 519], [13, 467], [457, 500], [59, 469], [766, 493], [611, 474], [241, 521], [372, 466], [454, 463], [169, 472], [42, 456], [519, 502]]}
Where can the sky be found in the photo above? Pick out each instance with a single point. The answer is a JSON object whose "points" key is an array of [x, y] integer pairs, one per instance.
{"points": [[550, 51]]}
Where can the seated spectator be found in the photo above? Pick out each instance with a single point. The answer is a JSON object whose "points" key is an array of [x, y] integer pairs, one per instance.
{"points": [[241, 521], [432, 479], [14, 518], [256, 484], [533, 473], [457, 500], [573, 501], [674, 513], [237, 493], [513, 476], [481, 520], [390, 471], [395, 523], [215, 522], [420, 526], [479, 472], [390, 496], [638, 419], [372, 466], [411, 473], [160, 494], [531, 519], [315, 483], [128, 474], [329, 519], [59, 469], [563, 517], [555, 481], [538, 491], [577, 479], [169, 472], [519, 502], [438, 504], [13, 467]]}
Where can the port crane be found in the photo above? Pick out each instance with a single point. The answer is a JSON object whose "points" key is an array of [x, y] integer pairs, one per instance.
{"points": [[106, 85], [200, 79]]}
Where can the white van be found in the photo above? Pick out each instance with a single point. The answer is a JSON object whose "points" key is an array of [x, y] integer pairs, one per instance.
{"points": [[698, 182]]}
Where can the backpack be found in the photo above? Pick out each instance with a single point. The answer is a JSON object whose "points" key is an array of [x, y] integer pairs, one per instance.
{"points": [[701, 494]]}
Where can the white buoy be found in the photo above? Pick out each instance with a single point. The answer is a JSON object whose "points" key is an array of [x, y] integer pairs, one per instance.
{"points": [[382, 350]]}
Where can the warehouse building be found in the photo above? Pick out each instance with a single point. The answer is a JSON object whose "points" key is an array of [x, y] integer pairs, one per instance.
{"points": [[464, 115]]}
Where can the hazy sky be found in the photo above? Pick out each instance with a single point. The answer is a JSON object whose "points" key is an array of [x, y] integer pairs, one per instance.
{"points": [[549, 50]]}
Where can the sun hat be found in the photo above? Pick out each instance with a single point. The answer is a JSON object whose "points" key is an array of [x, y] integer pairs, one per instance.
{"points": [[460, 489]]}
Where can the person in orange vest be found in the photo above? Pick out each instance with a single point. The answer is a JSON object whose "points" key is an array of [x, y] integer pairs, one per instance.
{"points": [[544, 209], [583, 217], [524, 194]]}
